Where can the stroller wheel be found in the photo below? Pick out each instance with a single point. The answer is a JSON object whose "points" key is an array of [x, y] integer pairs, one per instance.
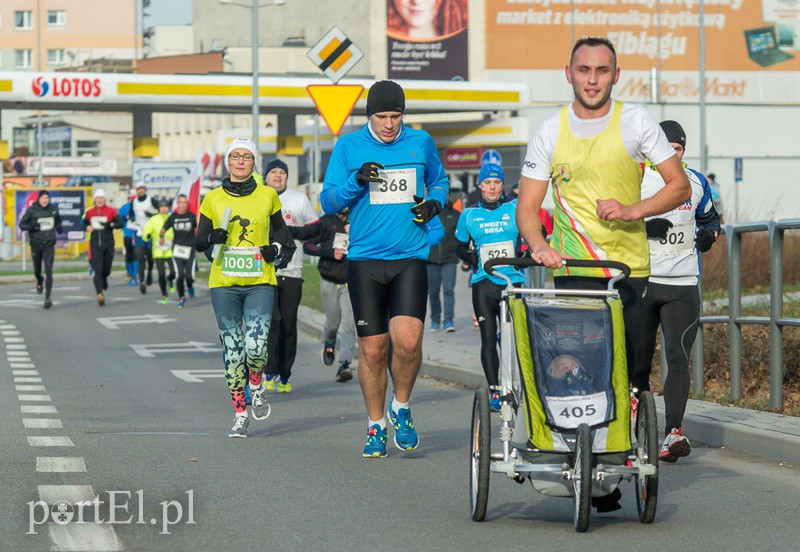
{"points": [[480, 456], [582, 479], [647, 451]]}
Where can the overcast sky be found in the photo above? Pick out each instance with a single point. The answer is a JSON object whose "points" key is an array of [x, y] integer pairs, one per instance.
{"points": [[168, 12]]}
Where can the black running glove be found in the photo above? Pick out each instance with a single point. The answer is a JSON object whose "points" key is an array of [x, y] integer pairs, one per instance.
{"points": [[704, 240], [369, 173], [425, 210], [270, 252], [217, 236], [471, 257], [657, 228]]}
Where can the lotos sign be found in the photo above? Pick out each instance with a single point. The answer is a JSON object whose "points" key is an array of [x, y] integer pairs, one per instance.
{"points": [[66, 87]]}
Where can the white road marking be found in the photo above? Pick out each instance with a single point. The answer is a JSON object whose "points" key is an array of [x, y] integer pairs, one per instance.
{"points": [[50, 441], [15, 346], [30, 388], [42, 423], [25, 372], [21, 365], [150, 350], [37, 409], [72, 536], [17, 354], [11, 332], [113, 323], [14, 340], [197, 376], [34, 398], [27, 380], [60, 464]]}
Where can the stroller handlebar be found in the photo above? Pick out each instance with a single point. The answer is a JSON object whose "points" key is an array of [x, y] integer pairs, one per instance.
{"points": [[524, 262]]}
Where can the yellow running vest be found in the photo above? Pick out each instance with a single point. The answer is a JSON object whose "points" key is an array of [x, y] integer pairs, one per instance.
{"points": [[584, 170]]}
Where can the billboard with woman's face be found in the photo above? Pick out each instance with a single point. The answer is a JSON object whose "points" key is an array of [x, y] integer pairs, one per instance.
{"points": [[427, 39]]}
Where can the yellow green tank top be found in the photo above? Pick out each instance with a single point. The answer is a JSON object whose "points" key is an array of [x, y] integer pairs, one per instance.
{"points": [[239, 262], [584, 170]]}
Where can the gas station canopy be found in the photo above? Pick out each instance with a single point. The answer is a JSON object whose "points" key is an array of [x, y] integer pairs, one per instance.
{"points": [[226, 94]]}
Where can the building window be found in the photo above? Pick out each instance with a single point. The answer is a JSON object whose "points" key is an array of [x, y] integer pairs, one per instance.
{"points": [[55, 57], [23, 20], [56, 18], [87, 147], [23, 59], [57, 149]]}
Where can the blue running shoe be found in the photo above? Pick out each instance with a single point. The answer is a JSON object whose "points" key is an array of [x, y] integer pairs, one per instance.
{"points": [[191, 292], [405, 436], [375, 446], [494, 401]]}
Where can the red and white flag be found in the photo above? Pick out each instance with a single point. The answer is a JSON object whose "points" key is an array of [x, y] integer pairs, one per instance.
{"points": [[191, 185]]}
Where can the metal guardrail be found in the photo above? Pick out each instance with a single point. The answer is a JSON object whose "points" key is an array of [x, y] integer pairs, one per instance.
{"points": [[734, 319]]}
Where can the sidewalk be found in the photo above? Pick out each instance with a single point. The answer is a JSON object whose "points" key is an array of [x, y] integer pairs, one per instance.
{"points": [[455, 357]]}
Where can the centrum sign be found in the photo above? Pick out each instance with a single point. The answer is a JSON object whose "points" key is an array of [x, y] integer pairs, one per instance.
{"points": [[161, 174]]}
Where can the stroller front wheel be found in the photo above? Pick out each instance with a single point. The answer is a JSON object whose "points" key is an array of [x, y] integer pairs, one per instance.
{"points": [[480, 455], [582, 478]]}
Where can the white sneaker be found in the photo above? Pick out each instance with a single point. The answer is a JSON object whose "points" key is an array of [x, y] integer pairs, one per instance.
{"points": [[239, 428], [258, 403], [675, 446]]}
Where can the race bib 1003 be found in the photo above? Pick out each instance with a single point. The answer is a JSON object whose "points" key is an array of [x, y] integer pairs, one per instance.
{"points": [[398, 186], [499, 250], [242, 262], [679, 241]]}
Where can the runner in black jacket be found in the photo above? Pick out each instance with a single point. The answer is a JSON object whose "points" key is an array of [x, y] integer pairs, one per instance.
{"points": [[42, 221], [327, 239]]}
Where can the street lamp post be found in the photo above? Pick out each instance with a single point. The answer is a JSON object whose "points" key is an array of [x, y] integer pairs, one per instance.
{"points": [[254, 5]]}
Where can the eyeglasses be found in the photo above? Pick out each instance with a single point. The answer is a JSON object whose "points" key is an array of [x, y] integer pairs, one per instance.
{"points": [[237, 156]]}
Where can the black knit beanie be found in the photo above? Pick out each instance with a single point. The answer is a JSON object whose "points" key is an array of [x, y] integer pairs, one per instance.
{"points": [[276, 164], [385, 96]]}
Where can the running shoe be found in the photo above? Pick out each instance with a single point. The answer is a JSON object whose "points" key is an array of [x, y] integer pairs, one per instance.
{"points": [[675, 446], [164, 300], [101, 300], [47, 303], [375, 446], [494, 401], [284, 387], [449, 327], [405, 436], [434, 326], [270, 381], [191, 292], [607, 503], [181, 302], [132, 282], [172, 288], [328, 353], [39, 289], [344, 374], [143, 288], [260, 406], [239, 428]]}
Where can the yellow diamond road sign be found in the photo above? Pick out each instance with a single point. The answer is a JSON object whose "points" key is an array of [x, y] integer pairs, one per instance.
{"points": [[335, 54]]}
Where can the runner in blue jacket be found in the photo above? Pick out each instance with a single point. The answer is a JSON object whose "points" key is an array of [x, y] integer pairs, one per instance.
{"points": [[391, 179]]}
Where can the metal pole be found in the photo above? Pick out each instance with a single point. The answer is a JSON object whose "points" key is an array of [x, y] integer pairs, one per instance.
{"points": [[39, 137], [702, 47], [775, 313], [254, 17]]}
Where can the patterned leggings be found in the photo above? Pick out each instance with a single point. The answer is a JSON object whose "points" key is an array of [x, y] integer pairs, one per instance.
{"points": [[243, 316]]}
